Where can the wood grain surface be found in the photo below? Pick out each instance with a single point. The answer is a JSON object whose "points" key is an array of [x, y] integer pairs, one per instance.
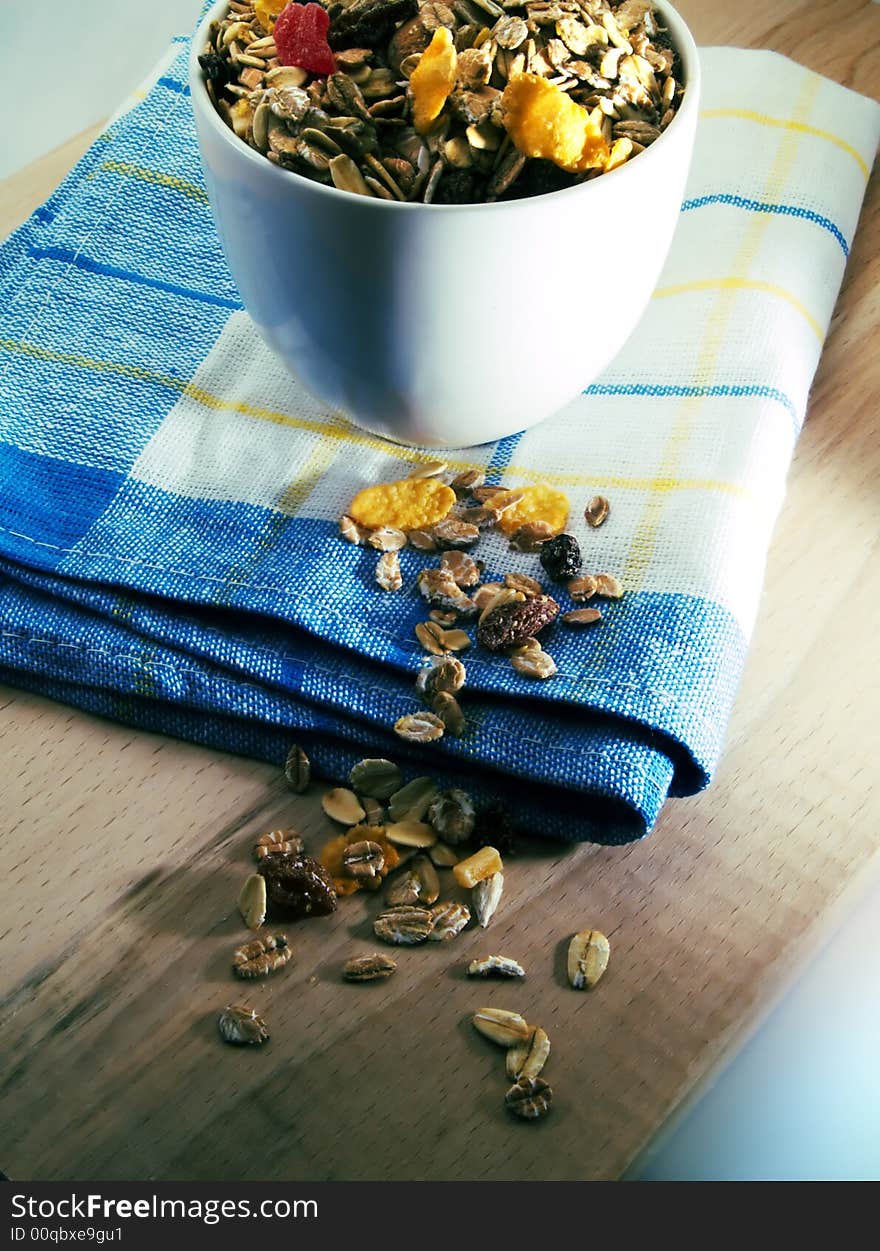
{"points": [[121, 855]]}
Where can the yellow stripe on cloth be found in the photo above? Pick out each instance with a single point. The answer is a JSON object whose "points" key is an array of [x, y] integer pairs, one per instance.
{"points": [[336, 428], [732, 283], [763, 119], [169, 181], [647, 531]]}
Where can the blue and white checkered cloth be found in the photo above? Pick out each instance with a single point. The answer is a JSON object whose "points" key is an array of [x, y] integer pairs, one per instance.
{"points": [[169, 496]]}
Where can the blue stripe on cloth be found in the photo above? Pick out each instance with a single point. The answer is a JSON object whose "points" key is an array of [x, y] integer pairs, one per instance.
{"points": [[90, 637], [765, 206], [44, 490], [172, 84], [717, 391], [501, 457], [112, 271]]}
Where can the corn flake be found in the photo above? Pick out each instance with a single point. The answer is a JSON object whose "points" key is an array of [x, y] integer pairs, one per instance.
{"points": [[409, 504], [538, 503], [544, 122], [433, 79]]}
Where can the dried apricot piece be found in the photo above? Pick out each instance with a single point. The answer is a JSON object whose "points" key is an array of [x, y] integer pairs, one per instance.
{"points": [[409, 504], [266, 11], [544, 122], [538, 503], [433, 79]]}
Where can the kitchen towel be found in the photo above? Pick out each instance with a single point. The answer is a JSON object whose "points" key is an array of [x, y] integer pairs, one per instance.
{"points": [[169, 497]]}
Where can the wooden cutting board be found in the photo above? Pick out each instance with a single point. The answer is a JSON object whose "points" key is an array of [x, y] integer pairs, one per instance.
{"points": [[121, 855]]}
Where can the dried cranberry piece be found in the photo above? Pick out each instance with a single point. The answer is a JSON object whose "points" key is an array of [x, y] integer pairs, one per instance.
{"points": [[298, 884], [561, 557], [495, 828], [301, 38]]}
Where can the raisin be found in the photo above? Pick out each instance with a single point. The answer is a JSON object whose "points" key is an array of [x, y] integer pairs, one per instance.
{"points": [[458, 186], [216, 68], [495, 828], [301, 38], [299, 884], [561, 557], [367, 23], [513, 623]]}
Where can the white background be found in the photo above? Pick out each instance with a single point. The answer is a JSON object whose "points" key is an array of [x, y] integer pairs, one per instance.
{"points": [[802, 1099]]}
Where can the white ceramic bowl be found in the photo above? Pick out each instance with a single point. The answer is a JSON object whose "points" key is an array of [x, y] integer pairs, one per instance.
{"points": [[446, 325]]}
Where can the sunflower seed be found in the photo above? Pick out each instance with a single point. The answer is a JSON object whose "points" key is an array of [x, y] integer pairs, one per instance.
{"points": [[346, 175], [486, 896], [297, 769], [410, 833], [376, 778], [343, 806], [413, 800], [252, 901]]}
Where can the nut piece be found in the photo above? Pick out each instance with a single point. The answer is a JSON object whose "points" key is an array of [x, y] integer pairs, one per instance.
{"points": [[277, 842], [252, 901], [297, 769], [410, 833], [412, 800], [530, 1098], [387, 539], [240, 1024], [351, 531], [262, 956], [388, 575], [376, 778], [343, 806], [502, 1027], [419, 727], [363, 860], [486, 896], [596, 511], [588, 954], [368, 968], [449, 920], [300, 885], [495, 966], [452, 816], [481, 864], [404, 926]]}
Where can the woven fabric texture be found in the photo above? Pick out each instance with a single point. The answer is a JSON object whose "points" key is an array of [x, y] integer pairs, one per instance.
{"points": [[169, 497]]}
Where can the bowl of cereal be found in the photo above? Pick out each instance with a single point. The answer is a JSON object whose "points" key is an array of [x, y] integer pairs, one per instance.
{"points": [[445, 219]]}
